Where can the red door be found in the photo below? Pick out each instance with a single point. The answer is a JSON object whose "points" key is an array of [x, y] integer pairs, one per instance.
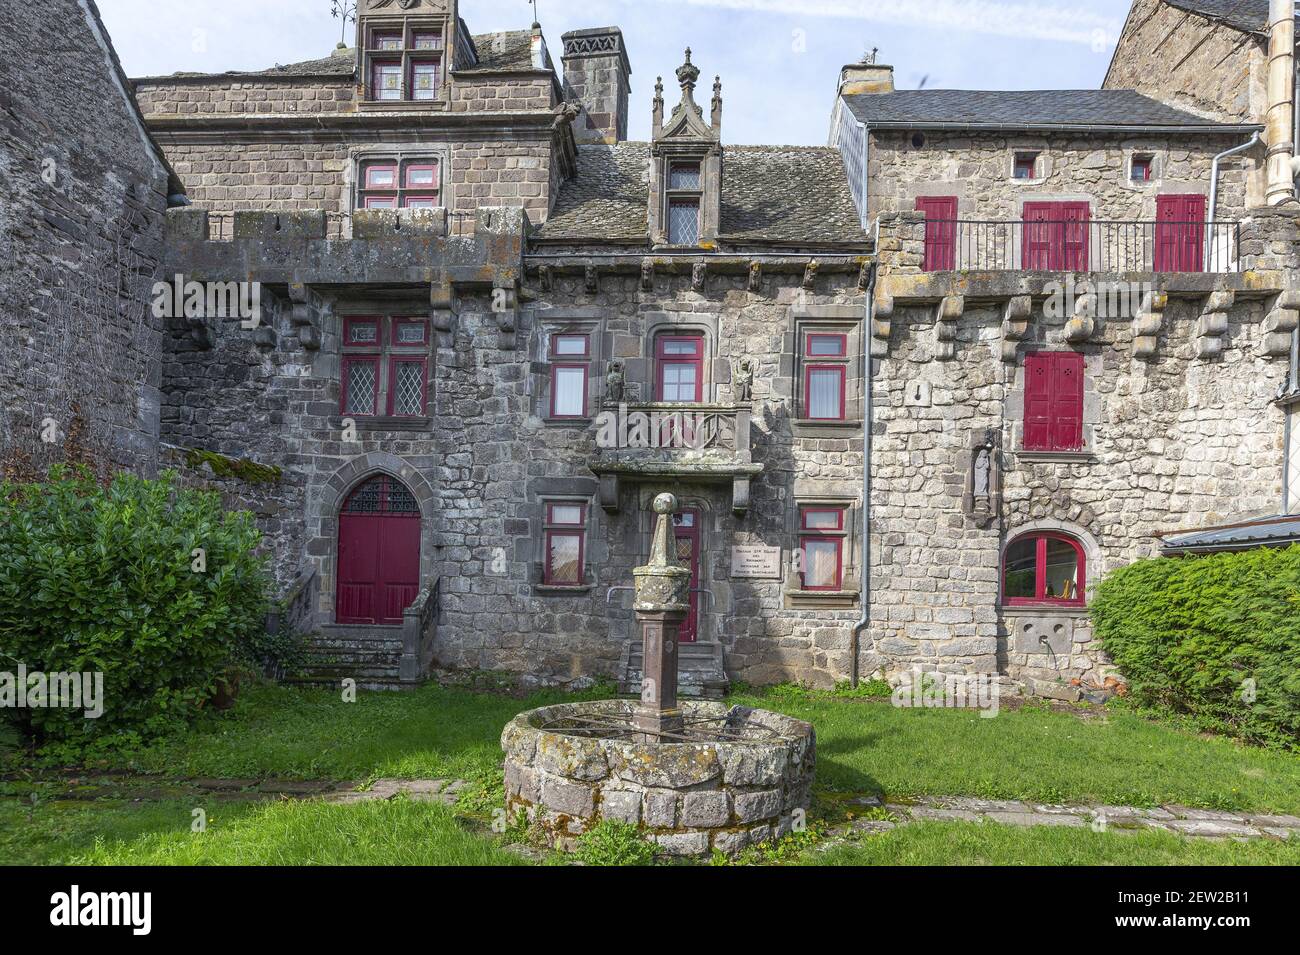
{"points": [[940, 232], [1180, 233], [379, 553], [1055, 237], [686, 527]]}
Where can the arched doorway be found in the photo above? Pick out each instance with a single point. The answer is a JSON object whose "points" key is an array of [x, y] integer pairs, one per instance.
{"points": [[379, 552]]}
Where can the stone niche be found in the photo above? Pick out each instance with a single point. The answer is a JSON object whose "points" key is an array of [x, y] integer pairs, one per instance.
{"points": [[689, 798]]}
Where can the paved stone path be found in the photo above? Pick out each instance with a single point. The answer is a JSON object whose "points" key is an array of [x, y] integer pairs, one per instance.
{"points": [[421, 790], [1205, 823]]}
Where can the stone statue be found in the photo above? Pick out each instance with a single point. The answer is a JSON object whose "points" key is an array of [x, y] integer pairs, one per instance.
{"points": [[984, 481], [615, 382], [743, 381]]}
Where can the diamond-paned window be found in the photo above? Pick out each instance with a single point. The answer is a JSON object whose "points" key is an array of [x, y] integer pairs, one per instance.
{"points": [[684, 221], [382, 495], [408, 388], [362, 387]]}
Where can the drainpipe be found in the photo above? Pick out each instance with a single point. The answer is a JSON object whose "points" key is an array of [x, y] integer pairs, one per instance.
{"points": [[1281, 101], [1214, 193], [868, 377]]}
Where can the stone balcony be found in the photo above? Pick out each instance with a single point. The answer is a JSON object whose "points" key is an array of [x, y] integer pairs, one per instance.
{"points": [[697, 442]]}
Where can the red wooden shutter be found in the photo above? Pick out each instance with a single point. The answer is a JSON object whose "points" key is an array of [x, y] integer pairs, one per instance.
{"points": [[1036, 246], [1072, 236], [1180, 233], [940, 232], [1067, 401], [1038, 401]]}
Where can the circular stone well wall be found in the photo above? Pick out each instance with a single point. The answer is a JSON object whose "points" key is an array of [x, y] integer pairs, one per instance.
{"points": [[690, 797]]}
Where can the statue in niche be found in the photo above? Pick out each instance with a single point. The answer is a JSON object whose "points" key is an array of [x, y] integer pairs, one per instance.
{"points": [[743, 381], [984, 481], [615, 382]]}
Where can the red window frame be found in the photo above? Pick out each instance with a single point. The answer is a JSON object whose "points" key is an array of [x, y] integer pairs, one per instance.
{"points": [[1025, 162], [570, 361], [420, 323], [436, 63], [663, 360], [1054, 386], [348, 362], [1140, 169], [552, 529], [370, 167], [352, 322], [1042, 598], [377, 32], [827, 535], [1180, 233], [376, 65], [418, 36], [842, 374], [393, 362], [429, 167], [841, 349], [940, 232]]}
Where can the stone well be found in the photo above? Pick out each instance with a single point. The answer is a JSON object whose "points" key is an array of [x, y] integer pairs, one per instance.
{"points": [[731, 777]]}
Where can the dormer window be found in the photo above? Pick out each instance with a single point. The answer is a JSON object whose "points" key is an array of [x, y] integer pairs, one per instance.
{"points": [[683, 214], [404, 64]]}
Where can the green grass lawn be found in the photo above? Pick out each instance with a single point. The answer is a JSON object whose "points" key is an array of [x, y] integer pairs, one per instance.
{"points": [[862, 747]]}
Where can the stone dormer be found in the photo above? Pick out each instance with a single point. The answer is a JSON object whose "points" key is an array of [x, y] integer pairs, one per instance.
{"points": [[686, 159], [406, 51]]}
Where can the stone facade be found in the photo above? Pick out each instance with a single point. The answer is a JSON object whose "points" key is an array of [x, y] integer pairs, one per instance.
{"points": [[81, 235]]}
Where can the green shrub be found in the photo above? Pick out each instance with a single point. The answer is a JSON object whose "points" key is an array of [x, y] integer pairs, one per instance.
{"points": [[96, 579], [614, 843], [1214, 637]]}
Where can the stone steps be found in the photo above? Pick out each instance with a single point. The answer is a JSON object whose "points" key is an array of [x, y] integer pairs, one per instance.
{"points": [[369, 654], [701, 672]]}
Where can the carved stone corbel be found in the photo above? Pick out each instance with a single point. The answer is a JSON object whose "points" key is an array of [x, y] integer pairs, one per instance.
{"points": [[306, 313], [547, 276], [1015, 325], [647, 275], [592, 279], [756, 277], [505, 306], [699, 272], [810, 274], [1280, 323], [1212, 327], [1147, 325], [950, 311]]}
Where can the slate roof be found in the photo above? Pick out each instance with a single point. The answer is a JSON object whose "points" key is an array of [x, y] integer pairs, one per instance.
{"points": [[507, 51], [770, 194], [1250, 16], [1277, 531], [1023, 108]]}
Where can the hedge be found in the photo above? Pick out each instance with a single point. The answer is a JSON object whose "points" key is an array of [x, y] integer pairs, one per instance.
{"points": [[1214, 637], [104, 579]]}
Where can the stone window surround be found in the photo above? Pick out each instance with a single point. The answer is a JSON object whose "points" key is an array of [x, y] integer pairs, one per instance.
{"points": [[717, 370], [1015, 409], [399, 153], [850, 556], [432, 21], [1091, 550], [1044, 166], [576, 321], [833, 320], [589, 528], [368, 308], [323, 519], [1155, 183]]}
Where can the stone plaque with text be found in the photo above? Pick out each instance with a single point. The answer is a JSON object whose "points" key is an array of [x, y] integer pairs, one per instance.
{"points": [[756, 562]]}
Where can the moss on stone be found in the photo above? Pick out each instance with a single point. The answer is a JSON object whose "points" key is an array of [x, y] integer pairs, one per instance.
{"points": [[239, 468]]}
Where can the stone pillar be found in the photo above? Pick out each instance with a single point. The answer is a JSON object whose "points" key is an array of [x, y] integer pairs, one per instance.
{"points": [[1280, 127], [662, 602]]}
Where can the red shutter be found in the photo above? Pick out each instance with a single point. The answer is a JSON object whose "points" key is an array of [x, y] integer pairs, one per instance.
{"points": [[1180, 233], [1038, 401], [1055, 236], [940, 232], [1067, 401], [1053, 401], [1036, 246], [1073, 235]]}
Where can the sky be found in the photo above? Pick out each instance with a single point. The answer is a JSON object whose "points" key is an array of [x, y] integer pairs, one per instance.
{"points": [[779, 59]]}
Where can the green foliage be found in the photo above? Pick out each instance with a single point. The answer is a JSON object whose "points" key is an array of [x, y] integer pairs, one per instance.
{"points": [[240, 468], [103, 580], [614, 843], [870, 690], [1216, 638]]}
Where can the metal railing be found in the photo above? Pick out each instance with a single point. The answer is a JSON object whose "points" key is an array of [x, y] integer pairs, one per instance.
{"points": [[1081, 246]]}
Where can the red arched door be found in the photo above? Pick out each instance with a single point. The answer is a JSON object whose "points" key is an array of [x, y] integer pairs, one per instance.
{"points": [[379, 552]]}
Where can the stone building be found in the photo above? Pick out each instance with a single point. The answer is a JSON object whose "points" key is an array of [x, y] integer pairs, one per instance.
{"points": [[919, 390], [85, 190]]}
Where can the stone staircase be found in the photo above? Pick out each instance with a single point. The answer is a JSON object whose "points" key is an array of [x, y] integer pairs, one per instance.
{"points": [[701, 672], [368, 653]]}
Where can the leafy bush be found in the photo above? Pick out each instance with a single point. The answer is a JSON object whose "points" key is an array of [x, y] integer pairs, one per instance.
{"points": [[96, 579], [1215, 637], [614, 843]]}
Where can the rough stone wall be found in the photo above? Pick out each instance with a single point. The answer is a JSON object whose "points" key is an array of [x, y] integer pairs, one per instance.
{"points": [[1191, 62], [502, 92], [271, 176], [80, 236], [978, 170], [596, 73], [1176, 443], [220, 98]]}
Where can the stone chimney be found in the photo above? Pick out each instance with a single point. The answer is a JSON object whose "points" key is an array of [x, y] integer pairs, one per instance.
{"points": [[866, 78], [1280, 124], [596, 74]]}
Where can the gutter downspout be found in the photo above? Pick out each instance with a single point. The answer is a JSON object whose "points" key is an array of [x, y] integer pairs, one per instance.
{"points": [[868, 377], [1281, 102], [1214, 192]]}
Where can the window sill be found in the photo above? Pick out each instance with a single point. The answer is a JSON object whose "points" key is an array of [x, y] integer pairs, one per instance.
{"points": [[823, 599], [561, 590], [400, 105], [815, 428], [1044, 610], [385, 423], [1056, 457], [567, 422]]}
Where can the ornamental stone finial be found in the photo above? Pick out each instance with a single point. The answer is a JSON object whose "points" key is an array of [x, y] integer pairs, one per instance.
{"points": [[663, 585], [688, 73]]}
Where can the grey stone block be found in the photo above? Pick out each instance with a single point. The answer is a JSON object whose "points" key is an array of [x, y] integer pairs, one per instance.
{"points": [[752, 807], [706, 810]]}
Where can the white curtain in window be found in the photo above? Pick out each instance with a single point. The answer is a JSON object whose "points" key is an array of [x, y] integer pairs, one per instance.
{"points": [[569, 388], [824, 393], [821, 563]]}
